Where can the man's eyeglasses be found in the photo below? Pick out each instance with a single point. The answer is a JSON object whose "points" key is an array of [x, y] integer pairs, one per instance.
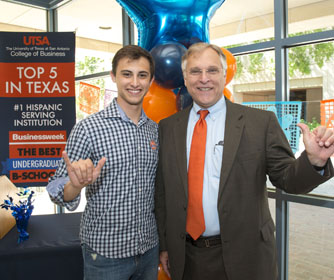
{"points": [[212, 71]]}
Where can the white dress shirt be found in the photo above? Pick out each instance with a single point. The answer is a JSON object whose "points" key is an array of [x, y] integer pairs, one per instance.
{"points": [[213, 160]]}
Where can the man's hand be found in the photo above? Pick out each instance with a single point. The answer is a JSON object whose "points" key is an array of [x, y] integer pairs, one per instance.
{"points": [[165, 262], [318, 143], [81, 173]]}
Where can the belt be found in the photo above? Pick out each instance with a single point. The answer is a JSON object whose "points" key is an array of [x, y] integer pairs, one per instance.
{"points": [[203, 241]]}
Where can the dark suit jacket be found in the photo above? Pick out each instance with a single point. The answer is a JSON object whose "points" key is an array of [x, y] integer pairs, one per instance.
{"points": [[254, 146]]}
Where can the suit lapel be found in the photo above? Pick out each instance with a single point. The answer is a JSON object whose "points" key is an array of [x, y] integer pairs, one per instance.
{"points": [[233, 130], [180, 137]]}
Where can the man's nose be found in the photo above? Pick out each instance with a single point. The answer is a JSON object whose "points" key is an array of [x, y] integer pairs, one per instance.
{"points": [[135, 81], [204, 77]]}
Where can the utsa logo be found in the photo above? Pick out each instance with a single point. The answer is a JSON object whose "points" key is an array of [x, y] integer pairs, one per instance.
{"points": [[153, 145], [36, 40]]}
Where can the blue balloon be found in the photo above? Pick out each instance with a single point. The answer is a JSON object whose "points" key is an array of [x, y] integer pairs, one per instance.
{"points": [[176, 90], [167, 57], [183, 99], [161, 21]]}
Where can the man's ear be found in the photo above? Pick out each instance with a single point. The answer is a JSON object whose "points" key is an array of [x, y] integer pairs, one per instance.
{"points": [[185, 81], [113, 77]]}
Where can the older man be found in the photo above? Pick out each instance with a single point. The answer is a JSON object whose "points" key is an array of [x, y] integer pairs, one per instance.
{"points": [[211, 198]]}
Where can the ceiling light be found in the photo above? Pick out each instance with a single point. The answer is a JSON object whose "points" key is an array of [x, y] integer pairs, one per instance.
{"points": [[105, 27]]}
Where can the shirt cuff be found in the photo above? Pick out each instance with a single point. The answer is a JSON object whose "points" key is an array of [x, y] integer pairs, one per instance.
{"points": [[56, 192]]}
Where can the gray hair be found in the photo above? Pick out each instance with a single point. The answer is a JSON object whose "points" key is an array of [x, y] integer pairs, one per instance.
{"points": [[199, 47]]}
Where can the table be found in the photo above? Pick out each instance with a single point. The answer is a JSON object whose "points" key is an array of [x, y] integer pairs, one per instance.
{"points": [[52, 251]]}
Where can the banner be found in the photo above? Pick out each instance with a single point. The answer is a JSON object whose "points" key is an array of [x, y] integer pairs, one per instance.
{"points": [[109, 96], [37, 103], [89, 98]]}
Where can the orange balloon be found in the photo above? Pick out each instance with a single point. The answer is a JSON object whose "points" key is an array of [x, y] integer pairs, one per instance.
{"points": [[161, 274], [231, 65], [159, 103], [228, 94]]}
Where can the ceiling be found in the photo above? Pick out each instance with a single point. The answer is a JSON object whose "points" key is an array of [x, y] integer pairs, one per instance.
{"points": [[86, 17]]}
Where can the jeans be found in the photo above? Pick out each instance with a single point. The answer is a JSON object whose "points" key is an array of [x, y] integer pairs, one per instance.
{"points": [[140, 267]]}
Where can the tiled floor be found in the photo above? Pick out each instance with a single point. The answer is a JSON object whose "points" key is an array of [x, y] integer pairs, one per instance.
{"points": [[311, 242]]}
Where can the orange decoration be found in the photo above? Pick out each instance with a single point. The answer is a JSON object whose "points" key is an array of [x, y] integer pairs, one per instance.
{"points": [[159, 103], [161, 274], [89, 98], [228, 94], [231, 65]]}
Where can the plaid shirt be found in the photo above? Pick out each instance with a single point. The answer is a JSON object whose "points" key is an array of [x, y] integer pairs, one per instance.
{"points": [[118, 220]]}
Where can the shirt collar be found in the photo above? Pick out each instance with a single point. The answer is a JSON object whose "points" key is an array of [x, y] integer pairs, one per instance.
{"points": [[215, 109], [115, 111]]}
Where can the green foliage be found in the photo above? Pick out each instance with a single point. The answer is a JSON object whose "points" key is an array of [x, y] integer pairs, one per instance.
{"points": [[90, 65], [240, 67], [256, 63], [322, 52], [311, 125], [300, 58]]}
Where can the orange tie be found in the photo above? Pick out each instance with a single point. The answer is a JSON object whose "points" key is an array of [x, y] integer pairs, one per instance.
{"points": [[195, 216]]}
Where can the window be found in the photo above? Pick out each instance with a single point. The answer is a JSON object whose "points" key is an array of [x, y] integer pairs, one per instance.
{"points": [[310, 16], [234, 24], [98, 29], [21, 18], [311, 245], [254, 80], [310, 81]]}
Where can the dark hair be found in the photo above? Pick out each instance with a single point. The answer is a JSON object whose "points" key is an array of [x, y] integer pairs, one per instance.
{"points": [[132, 52]]}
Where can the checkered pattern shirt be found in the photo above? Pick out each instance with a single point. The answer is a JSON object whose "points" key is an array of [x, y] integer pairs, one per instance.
{"points": [[118, 220]]}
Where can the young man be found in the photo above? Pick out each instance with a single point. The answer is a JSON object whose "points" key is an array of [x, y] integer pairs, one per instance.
{"points": [[218, 226], [113, 155]]}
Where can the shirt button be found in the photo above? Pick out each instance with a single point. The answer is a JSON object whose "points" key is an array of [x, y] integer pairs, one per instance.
{"points": [[140, 189]]}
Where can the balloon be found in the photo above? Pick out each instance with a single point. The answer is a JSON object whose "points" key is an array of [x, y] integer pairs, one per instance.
{"points": [[161, 274], [231, 65], [183, 98], [176, 90], [180, 21], [167, 57], [159, 103], [228, 94]]}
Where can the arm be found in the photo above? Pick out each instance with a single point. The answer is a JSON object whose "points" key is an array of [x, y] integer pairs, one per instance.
{"points": [[165, 262], [160, 210], [295, 175], [65, 186], [65, 191], [159, 197], [55, 188]]}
